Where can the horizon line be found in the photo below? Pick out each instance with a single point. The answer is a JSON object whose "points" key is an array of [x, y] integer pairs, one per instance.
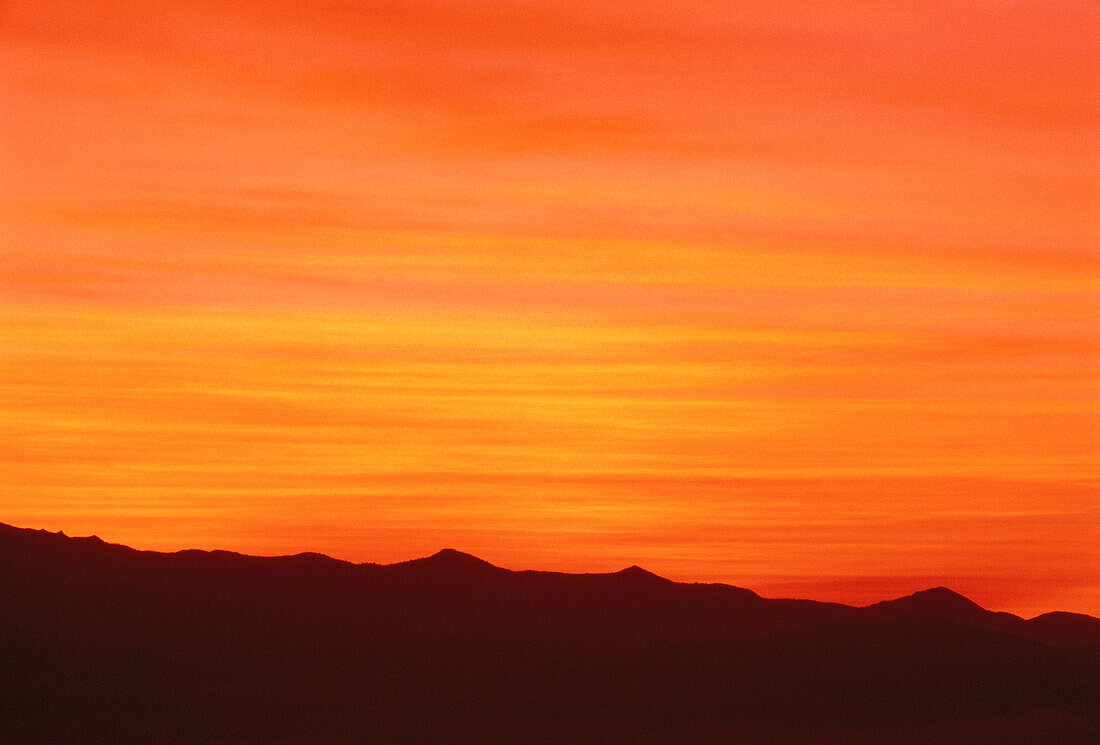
{"points": [[447, 551]]}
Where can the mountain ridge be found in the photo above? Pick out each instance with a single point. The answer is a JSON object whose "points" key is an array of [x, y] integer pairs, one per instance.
{"points": [[105, 643], [937, 600]]}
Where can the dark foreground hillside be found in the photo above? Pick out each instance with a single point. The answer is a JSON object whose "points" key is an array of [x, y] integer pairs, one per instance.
{"points": [[101, 643]]}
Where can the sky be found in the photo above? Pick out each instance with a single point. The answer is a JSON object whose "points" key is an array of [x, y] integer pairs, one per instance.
{"points": [[799, 296]]}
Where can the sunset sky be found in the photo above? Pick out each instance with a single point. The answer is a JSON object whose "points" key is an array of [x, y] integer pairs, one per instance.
{"points": [[799, 296]]}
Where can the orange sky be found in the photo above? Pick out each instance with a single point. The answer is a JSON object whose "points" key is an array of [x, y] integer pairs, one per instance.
{"points": [[800, 296]]}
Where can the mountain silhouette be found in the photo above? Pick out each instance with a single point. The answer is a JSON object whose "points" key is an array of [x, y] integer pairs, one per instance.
{"points": [[449, 561], [103, 643], [935, 601], [635, 573]]}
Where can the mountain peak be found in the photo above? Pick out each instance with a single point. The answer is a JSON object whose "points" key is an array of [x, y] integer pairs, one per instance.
{"points": [[452, 554], [944, 595], [934, 601], [635, 572], [453, 558]]}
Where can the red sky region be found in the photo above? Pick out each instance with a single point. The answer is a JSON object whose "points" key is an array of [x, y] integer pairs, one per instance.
{"points": [[796, 296]]}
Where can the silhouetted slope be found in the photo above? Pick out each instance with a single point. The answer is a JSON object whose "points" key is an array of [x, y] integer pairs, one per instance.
{"points": [[1054, 629], [446, 561], [1061, 629], [104, 643], [938, 601]]}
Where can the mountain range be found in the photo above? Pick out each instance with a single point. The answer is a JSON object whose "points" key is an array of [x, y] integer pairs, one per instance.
{"points": [[104, 643]]}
